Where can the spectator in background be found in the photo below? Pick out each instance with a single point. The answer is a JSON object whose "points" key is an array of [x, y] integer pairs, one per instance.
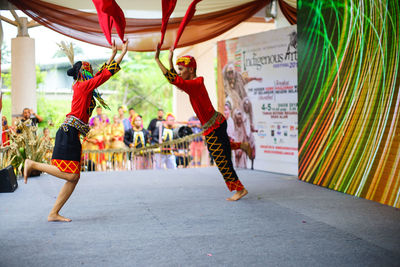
{"points": [[107, 137], [104, 121], [197, 145], [46, 135], [125, 121], [5, 137], [99, 111], [155, 123], [162, 134], [132, 115], [116, 134], [47, 141], [137, 137], [29, 114], [96, 141]]}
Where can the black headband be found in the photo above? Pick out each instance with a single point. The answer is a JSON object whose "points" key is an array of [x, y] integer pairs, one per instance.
{"points": [[74, 71]]}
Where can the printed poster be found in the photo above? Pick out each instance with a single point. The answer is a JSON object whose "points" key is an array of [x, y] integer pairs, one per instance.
{"points": [[257, 78]]}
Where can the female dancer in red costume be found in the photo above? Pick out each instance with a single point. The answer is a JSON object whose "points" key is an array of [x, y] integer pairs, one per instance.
{"points": [[67, 150], [213, 122]]}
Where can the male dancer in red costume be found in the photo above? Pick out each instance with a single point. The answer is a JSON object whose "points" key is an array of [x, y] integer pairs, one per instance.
{"points": [[67, 149], [213, 122]]}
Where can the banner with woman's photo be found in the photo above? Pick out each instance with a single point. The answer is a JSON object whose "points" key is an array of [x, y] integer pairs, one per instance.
{"points": [[257, 90]]}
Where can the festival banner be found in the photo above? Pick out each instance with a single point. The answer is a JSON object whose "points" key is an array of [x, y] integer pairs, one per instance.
{"points": [[257, 82]]}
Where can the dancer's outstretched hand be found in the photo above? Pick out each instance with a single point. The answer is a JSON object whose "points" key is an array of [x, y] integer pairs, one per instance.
{"points": [[123, 52], [125, 46], [171, 54]]}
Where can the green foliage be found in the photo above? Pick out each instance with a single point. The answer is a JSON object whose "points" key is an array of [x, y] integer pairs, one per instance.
{"points": [[5, 54], [40, 76], [6, 110], [6, 79], [53, 112], [141, 85]]}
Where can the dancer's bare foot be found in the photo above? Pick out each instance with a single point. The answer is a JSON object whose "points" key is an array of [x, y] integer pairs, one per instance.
{"points": [[27, 169], [57, 218], [238, 195]]}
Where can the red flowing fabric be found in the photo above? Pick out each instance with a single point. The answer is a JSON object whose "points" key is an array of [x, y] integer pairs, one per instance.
{"points": [[143, 34], [110, 15], [168, 7], [188, 16]]}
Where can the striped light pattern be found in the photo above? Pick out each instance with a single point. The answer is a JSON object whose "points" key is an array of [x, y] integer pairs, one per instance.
{"points": [[349, 101]]}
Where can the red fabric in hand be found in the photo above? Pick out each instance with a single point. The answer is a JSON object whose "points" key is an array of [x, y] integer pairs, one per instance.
{"points": [[110, 15], [188, 16], [168, 7]]}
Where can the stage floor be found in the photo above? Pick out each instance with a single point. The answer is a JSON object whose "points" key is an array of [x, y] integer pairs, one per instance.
{"points": [[181, 218]]}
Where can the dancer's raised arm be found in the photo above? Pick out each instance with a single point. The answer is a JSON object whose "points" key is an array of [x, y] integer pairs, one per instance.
{"points": [[123, 52], [113, 54], [160, 64], [170, 58]]}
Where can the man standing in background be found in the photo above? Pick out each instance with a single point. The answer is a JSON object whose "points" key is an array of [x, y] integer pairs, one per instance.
{"points": [[154, 123]]}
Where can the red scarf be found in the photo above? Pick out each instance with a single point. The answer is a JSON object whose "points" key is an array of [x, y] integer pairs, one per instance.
{"points": [[110, 15], [188, 16], [168, 7]]}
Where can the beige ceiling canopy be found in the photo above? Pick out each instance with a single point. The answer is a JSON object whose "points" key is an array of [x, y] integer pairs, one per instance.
{"points": [[78, 19]]}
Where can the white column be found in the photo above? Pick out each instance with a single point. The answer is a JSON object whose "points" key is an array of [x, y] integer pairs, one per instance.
{"points": [[23, 75]]}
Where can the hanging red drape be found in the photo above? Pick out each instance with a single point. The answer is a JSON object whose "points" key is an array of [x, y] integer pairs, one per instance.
{"points": [[168, 7], [144, 34], [188, 16], [288, 11], [110, 15]]}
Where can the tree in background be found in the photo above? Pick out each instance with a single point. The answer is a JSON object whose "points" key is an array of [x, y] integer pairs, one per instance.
{"points": [[140, 85], [5, 54]]}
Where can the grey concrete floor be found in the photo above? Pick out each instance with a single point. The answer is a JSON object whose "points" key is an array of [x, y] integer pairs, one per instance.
{"points": [[181, 218]]}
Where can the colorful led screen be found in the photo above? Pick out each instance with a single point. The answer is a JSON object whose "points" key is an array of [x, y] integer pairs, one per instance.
{"points": [[349, 118]]}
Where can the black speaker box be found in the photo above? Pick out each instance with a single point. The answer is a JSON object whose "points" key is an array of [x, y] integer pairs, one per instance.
{"points": [[8, 180]]}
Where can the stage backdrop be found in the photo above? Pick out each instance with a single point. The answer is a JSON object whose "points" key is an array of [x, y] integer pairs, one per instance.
{"points": [[257, 91], [349, 118]]}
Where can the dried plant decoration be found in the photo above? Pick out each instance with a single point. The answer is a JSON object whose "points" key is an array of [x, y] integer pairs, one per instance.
{"points": [[68, 50]]}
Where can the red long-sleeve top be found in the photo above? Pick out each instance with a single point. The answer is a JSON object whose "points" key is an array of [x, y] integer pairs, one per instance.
{"points": [[83, 91], [198, 96]]}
